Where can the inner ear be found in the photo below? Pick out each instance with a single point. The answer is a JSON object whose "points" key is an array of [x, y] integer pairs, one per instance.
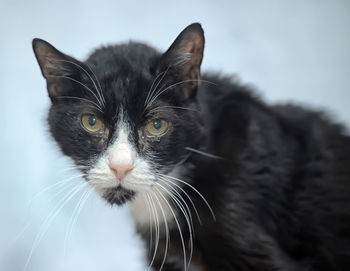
{"points": [[184, 58], [60, 71]]}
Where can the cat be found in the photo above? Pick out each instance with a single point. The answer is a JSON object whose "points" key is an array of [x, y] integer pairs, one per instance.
{"points": [[215, 178]]}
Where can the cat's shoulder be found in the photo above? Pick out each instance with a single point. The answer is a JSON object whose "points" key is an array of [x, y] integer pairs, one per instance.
{"points": [[229, 93]]}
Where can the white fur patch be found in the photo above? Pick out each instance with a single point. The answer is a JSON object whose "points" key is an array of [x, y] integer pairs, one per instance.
{"points": [[140, 178], [159, 211], [151, 208], [145, 207]]}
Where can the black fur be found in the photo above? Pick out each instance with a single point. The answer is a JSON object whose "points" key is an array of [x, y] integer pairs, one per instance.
{"points": [[280, 193]]}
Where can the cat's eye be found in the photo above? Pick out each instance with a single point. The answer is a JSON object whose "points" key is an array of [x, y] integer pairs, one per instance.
{"points": [[91, 123], [157, 127]]}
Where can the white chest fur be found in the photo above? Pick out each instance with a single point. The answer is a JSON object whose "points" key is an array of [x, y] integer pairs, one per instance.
{"points": [[152, 209]]}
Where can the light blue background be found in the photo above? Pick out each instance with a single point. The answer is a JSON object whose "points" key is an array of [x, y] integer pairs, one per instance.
{"points": [[291, 50]]}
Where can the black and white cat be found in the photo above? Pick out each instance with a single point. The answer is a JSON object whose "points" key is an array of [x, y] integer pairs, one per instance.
{"points": [[215, 178]]}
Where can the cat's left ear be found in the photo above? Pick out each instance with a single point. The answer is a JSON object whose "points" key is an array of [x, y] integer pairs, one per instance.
{"points": [[59, 70], [184, 58]]}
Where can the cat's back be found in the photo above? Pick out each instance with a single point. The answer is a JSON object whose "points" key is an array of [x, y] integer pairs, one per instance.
{"points": [[237, 108], [320, 187], [289, 164]]}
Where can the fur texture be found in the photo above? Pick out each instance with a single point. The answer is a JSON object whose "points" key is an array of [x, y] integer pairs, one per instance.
{"points": [[277, 178]]}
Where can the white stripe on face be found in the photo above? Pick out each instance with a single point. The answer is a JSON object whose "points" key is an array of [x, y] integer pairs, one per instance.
{"points": [[121, 164], [122, 155], [135, 173]]}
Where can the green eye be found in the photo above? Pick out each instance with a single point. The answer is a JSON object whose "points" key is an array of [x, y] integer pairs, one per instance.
{"points": [[157, 127], [91, 123]]}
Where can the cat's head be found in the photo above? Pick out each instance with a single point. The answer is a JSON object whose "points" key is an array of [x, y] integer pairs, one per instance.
{"points": [[127, 114]]}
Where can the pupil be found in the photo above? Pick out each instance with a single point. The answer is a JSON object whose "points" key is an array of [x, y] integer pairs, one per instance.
{"points": [[92, 120], [157, 124]]}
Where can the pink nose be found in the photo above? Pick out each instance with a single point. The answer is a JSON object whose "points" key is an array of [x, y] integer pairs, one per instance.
{"points": [[121, 161], [121, 170]]}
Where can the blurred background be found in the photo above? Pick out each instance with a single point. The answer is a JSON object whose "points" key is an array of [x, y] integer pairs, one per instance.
{"points": [[289, 50]]}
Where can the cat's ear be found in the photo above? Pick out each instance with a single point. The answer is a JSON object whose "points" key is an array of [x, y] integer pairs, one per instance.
{"points": [[184, 58], [59, 70]]}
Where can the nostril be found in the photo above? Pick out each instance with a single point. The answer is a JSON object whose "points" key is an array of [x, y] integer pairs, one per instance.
{"points": [[121, 160], [121, 170]]}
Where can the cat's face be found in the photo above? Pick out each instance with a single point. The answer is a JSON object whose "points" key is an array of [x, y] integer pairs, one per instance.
{"points": [[128, 113]]}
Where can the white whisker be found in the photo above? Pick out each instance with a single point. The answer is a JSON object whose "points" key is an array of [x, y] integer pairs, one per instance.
{"points": [[156, 220], [150, 211], [183, 160], [45, 225], [166, 182], [73, 168], [151, 88], [80, 67], [99, 85], [57, 184], [203, 153], [20, 233], [178, 196], [178, 226], [167, 235], [80, 83], [194, 189], [96, 106], [187, 216], [160, 108], [160, 92], [151, 93], [75, 216]]}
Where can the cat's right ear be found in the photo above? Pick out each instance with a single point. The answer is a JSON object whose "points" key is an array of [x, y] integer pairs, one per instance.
{"points": [[184, 58], [59, 70]]}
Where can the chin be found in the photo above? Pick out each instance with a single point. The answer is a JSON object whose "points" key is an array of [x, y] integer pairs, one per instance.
{"points": [[118, 195]]}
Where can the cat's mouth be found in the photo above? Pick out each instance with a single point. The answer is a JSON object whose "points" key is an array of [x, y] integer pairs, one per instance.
{"points": [[118, 195]]}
